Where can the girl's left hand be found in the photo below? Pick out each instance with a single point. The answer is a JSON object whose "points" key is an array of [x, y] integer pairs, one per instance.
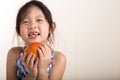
{"points": [[44, 52]]}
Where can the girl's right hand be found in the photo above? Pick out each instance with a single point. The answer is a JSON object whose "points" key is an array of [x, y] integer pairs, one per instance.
{"points": [[31, 65]]}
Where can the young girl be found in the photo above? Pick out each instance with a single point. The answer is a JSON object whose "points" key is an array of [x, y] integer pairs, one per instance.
{"points": [[34, 24]]}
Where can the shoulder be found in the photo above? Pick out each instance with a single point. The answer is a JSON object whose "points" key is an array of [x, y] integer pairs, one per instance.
{"points": [[14, 52], [12, 56], [59, 57]]}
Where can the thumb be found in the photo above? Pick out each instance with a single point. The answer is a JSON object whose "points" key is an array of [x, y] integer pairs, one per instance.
{"points": [[40, 53]]}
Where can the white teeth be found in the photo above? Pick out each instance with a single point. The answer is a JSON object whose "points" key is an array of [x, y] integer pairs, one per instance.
{"points": [[33, 34]]}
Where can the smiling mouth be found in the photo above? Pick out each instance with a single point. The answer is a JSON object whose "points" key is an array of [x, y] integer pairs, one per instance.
{"points": [[33, 35]]}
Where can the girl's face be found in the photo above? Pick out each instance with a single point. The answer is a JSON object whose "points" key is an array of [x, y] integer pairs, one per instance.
{"points": [[34, 27]]}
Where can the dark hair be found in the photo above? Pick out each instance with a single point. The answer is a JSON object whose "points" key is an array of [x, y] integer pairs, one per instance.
{"points": [[48, 16]]}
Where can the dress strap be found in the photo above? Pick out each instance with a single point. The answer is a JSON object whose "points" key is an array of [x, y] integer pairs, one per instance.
{"points": [[50, 64], [22, 51], [53, 54]]}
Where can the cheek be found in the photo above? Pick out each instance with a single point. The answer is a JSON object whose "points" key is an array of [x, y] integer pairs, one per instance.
{"points": [[45, 30], [23, 31]]}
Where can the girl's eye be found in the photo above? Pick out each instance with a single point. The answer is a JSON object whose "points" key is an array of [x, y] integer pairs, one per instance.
{"points": [[25, 22], [39, 20]]}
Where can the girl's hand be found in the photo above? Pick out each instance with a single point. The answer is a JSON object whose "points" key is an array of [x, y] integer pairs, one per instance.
{"points": [[44, 58], [31, 65]]}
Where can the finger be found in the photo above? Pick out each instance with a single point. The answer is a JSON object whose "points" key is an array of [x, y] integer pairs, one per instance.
{"points": [[24, 56], [36, 63], [40, 52], [46, 47], [48, 50], [32, 60], [28, 58], [43, 49]]}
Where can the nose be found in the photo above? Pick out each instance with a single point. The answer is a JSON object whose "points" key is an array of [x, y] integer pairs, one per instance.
{"points": [[33, 25]]}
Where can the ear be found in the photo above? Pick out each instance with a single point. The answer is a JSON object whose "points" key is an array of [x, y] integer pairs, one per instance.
{"points": [[54, 27]]}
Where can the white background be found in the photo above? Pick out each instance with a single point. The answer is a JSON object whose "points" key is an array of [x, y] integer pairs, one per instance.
{"points": [[88, 33]]}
